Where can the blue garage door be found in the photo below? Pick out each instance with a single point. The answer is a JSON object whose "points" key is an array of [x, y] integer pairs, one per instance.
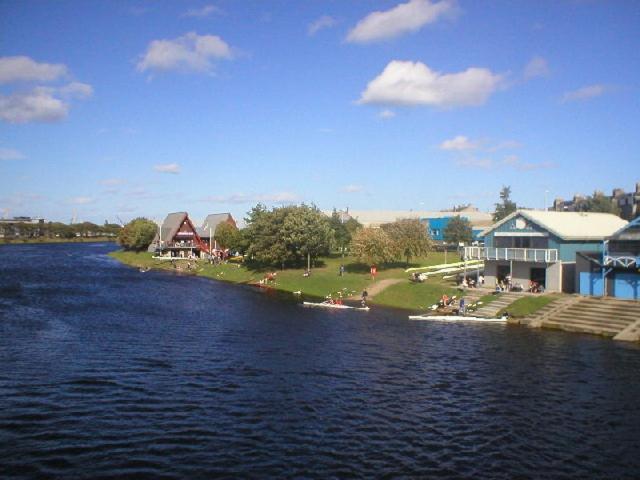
{"points": [[591, 284], [626, 285]]}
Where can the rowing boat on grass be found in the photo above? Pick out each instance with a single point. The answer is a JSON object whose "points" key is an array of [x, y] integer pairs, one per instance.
{"points": [[333, 305], [457, 318]]}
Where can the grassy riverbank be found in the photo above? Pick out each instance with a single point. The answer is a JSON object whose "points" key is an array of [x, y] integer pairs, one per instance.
{"points": [[528, 305], [324, 279]]}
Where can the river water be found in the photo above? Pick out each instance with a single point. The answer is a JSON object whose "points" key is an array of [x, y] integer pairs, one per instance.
{"points": [[107, 372]]}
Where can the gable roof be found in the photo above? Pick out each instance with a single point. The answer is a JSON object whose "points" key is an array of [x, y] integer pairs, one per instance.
{"points": [[631, 231], [172, 224], [212, 221], [569, 225]]}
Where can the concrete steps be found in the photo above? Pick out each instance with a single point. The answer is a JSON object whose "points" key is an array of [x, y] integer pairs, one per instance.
{"points": [[503, 301], [595, 315]]}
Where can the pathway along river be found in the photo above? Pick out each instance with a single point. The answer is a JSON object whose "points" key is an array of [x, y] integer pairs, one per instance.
{"points": [[109, 372]]}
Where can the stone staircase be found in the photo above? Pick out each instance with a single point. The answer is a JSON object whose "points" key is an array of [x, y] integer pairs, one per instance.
{"points": [[548, 311], [503, 300], [607, 316]]}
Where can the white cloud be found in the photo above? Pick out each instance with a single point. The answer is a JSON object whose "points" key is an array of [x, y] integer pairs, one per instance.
{"points": [[321, 23], [278, 197], [201, 12], [386, 114], [352, 189], [167, 168], [11, 154], [403, 18], [81, 200], [462, 143], [77, 90], [504, 145], [537, 67], [188, 53], [112, 182], [37, 105], [512, 161], [41, 104], [459, 143], [482, 163], [414, 83], [24, 69], [528, 166], [242, 198], [584, 93]]}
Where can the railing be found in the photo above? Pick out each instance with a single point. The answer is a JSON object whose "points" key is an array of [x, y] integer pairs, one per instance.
{"points": [[542, 255], [185, 244]]}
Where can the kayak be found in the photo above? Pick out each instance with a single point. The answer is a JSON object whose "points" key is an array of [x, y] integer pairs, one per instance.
{"points": [[457, 318], [334, 305]]}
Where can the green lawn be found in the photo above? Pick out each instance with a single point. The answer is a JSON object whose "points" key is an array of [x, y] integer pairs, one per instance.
{"points": [[415, 296], [527, 305], [324, 279]]}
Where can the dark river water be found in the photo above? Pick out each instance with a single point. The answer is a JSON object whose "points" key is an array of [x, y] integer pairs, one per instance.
{"points": [[106, 372]]}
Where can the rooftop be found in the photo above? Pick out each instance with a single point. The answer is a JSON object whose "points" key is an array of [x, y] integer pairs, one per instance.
{"points": [[571, 225]]}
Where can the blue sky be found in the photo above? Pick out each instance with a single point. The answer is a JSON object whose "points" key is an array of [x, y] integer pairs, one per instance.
{"points": [[140, 108]]}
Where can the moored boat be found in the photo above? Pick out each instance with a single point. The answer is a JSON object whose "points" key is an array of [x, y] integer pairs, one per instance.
{"points": [[457, 318], [333, 305]]}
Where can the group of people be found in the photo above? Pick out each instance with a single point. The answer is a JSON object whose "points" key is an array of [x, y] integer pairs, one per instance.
{"points": [[446, 301], [470, 282], [535, 287]]}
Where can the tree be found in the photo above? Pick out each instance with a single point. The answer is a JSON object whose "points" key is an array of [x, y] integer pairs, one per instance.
{"points": [[307, 233], [227, 235], [264, 245], [61, 230], [458, 230], [373, 245], [343, 231], [598, 202], [506, 207], [137, 234], [286, 235], [410, 237]]}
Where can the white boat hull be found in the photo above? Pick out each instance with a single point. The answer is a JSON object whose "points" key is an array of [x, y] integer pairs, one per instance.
{"points": [[334, 306], [457, 318]]}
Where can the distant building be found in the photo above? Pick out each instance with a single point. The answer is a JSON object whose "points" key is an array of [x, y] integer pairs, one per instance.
{"points": [[211, 223], [436, 226], [177, 237], [541, 246], [13, 227], [628, 202], [435, 221]]}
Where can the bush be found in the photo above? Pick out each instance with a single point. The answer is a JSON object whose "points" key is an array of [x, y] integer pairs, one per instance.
{"points": [[137, 234]]}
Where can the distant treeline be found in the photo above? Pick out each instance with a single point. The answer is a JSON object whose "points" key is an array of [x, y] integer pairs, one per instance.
{"points": [[52, 230]]}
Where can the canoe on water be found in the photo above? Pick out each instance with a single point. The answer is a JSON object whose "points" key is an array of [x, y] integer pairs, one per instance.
{"points": [[333, 305], [457, 318]]}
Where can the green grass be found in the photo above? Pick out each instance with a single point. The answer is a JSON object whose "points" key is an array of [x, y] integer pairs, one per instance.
{"points": [[414, 296], [324, 279], [528, 305]]}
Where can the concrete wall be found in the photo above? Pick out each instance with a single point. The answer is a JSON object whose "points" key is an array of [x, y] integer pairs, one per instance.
{"points": [[522, 273], [490, 272]]}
